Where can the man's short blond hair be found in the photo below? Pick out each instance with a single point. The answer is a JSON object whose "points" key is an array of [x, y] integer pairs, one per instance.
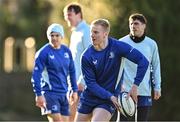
{"points": [[102, 22]]}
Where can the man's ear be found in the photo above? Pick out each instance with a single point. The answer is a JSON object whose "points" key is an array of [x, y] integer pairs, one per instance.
{"points": [[106, 34], [79, 14], [144, 26]]}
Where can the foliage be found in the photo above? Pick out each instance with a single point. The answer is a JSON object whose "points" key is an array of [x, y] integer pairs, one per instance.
{"points": [[23, 18]]}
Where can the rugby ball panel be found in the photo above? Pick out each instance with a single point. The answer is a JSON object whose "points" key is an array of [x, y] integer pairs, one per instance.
{"points": [[128, 107]]}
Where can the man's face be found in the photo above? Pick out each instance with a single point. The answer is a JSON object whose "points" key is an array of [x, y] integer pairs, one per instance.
{"points": [[72, 18], [98, 34], [137, 28], [55, 39]]}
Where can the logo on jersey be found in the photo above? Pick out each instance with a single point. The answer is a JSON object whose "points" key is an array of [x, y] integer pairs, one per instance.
{"points": [[51, 56], [36, 68], [66, 55], [95, 62], [149, 100], [111, 55], [54, 108]]}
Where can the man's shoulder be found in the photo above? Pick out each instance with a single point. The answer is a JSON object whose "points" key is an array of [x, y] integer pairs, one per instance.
{"points": [[83, 26], [124, 38], [64, 46], [114, 42], [88, 50], [82, 29], [43, 50], [150, 41]]}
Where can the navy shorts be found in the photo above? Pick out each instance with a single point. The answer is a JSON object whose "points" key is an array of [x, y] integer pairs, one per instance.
{"points": [[87, 108], [56, 104]]}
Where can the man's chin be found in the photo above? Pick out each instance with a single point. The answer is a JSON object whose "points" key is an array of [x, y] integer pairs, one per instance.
{"points": [[94, 43]]}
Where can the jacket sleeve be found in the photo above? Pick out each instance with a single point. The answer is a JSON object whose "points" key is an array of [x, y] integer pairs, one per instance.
{"points": [[142, 64], [135, 56], [37, 73], [86, 41], [72, 74], [156, 71]]}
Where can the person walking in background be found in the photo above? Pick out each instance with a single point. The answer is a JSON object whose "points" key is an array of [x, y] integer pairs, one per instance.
{"points": [[148, 47], [79, 41], [53, 63], [100, 67]]}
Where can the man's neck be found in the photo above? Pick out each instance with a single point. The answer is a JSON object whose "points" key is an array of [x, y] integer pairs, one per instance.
{"points": [[137, 39], [102, 45], [76, 24]]}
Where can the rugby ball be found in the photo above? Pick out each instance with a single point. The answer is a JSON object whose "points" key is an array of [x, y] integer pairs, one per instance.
{"points": [[128, 106]]}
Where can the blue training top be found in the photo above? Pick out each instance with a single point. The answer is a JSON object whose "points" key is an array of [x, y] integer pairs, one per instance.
{"points": [[52, 66], [100, 69]]}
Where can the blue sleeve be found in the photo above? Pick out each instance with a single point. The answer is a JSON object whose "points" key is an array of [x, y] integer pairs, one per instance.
{"points": [[37, 73], [86, 41], [135, 56], [90, 80], [86, 38], [72, 74], [142, 64], [156, 69]]}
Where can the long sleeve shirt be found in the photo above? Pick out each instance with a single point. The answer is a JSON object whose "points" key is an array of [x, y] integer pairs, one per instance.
{"points": [[149, 49], [52, 66], [100, 69]]}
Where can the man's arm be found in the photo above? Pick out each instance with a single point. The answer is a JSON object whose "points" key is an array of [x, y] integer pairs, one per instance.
{"points": [[72, 74], [156, 73], [86, 41], [142, 66], [36, 80], [37, 73]]}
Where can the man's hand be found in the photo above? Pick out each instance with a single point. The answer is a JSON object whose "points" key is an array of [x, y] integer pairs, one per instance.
{"points": [[157, 95], [73, 98], [133, 93], [80, 87], [40, 101], [115, 102]]}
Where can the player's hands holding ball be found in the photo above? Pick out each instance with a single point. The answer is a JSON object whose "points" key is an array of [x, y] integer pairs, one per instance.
{"points": [[115, 102]]}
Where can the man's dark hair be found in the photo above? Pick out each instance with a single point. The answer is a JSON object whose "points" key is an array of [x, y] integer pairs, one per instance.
{"points": [[139, 17], [74, 7]]}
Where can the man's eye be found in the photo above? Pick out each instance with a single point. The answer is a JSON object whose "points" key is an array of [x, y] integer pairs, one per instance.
{"points": [[55, 35]]}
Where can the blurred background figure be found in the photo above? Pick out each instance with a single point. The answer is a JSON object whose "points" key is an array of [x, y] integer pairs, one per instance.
{"points": [[79, 41]]}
